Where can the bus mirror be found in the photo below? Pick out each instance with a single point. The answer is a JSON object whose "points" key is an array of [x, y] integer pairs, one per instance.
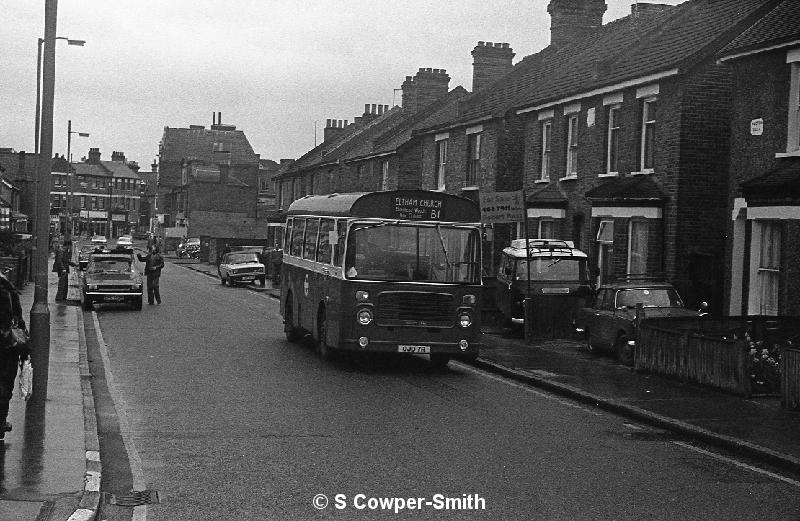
{"points": [[488, 234], [333, 237]]}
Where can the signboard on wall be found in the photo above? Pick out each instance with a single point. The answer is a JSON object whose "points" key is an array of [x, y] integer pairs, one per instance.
{"points": [[502, 207]]}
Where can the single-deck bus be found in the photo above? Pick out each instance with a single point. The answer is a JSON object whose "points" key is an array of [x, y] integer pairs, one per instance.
{"points": [[395, 271]]}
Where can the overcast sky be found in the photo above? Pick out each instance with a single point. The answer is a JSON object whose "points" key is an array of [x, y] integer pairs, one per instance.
{"points": [[274, 68]]}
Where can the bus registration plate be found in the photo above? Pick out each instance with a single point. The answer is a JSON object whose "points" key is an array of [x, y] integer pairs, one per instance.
{"points": [[422, 350]]}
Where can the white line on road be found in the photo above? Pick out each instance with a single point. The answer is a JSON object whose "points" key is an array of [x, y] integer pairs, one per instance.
{"points": [[512, 383], [140, 511], [737, 463]]}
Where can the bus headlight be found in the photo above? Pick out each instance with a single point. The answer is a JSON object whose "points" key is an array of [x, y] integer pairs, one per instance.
{"points": [[464, 319], [364, 316], [363, 342], [463, 344]]}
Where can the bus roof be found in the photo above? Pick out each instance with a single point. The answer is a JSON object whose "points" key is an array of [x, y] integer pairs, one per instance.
{"points": [[411, 205]]}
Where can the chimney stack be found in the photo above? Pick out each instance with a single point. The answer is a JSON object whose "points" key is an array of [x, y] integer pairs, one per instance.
{"points": [[118, 156], [572, 20], [94, 156], [333, 128], [644, 8], [427, 86], [490, 61]]}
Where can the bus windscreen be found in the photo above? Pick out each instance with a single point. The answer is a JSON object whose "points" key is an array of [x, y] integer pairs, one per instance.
{"points": [[387, 251]]}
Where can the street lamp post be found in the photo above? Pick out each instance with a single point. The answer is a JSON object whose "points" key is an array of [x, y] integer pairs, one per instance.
{"points": [[36, 137], [69, 224]]}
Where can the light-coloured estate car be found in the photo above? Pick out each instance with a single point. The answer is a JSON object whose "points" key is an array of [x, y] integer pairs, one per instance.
{"points": [[111, 278], [241, 267]]}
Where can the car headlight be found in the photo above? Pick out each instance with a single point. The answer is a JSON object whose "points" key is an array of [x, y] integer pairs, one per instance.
{"points": [[364, 316], [92, 287], [464, 319]]}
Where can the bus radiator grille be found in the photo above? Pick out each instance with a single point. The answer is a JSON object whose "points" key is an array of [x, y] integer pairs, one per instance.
{"points": [[414, 308]]}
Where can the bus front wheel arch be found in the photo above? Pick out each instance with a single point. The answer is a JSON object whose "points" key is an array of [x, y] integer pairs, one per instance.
{"points": [[289, 328]]}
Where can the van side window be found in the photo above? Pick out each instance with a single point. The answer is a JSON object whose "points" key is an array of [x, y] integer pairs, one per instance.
{"points": [[310, 248], [287, 234], [298, 227], [324, 248]]}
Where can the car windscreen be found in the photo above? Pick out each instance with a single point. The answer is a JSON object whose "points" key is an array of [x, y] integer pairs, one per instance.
{"points": [[241, 258], [553, 269], [649, 298], [404, 252], [115, 265]]}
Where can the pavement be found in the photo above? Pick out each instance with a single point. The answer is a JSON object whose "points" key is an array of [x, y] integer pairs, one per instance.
{"points": [[50, 466], [51, 470]]}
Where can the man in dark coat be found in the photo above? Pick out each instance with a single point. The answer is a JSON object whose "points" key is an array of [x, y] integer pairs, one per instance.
{"points": [[153, 264], [63, 260]]}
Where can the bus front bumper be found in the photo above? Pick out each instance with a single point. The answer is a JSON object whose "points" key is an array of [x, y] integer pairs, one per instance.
{"points": [[424, 348]]}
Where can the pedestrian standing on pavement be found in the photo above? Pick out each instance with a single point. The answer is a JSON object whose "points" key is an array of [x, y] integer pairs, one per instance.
{"points": [[11, 354], [61, 264], [153, 264]]}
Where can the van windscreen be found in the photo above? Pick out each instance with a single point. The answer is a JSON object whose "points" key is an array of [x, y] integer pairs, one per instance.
{"points": [[553, 269]]}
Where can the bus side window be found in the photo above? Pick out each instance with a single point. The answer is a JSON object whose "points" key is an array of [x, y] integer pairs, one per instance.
{"points": [[341, 230], [299, 226], [310, 249], [287, 234], [324, 247]]}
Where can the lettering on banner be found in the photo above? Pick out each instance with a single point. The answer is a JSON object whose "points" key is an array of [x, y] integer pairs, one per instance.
{"points": [[418, 209]]}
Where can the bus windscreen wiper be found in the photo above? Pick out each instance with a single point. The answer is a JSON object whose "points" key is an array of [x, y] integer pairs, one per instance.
{"points": [[444, 248]]}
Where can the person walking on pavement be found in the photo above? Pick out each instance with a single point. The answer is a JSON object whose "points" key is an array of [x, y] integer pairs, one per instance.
{"points": [[63, 260], [153, 264], [11, 354]]}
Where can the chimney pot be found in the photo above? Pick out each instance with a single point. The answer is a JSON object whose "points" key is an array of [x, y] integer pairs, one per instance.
{"points": [[481, 43], [366, 108], [374, 109]]}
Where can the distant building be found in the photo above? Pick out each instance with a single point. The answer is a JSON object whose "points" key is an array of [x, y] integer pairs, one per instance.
{"points": [[208, 182], [18, 170]]}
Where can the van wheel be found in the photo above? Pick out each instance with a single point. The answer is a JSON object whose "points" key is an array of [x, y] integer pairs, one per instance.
{"points": [[589, 347], [325, 351], [292, 333], [624, 350]]}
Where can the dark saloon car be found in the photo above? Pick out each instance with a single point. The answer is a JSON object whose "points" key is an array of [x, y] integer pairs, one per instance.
{"points": [[111, 278], [610, 322]]}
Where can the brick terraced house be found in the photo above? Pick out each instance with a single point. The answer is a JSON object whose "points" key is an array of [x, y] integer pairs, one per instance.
{"points": [[619, 133], [763, 251]]}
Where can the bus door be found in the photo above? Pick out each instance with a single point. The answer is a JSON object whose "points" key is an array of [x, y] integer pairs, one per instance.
{"points": [[328, 286]]}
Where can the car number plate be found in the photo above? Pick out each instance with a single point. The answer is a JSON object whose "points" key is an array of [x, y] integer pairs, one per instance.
{"points": [[422, 350], [113, 298]]}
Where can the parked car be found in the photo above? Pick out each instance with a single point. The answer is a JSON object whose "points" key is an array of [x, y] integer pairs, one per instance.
{"points": [[84, 252], [240, 267], [125, 240], [112, 278], [99, 239], [190, 248], [610, 322], [559, 283]]}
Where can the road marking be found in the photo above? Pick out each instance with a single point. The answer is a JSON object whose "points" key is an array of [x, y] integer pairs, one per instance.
{"points": [[737, 463], [527, 388], [139, 512]]}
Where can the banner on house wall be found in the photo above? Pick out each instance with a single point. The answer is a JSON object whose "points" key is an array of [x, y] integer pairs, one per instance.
{"points": [[502, 207]]}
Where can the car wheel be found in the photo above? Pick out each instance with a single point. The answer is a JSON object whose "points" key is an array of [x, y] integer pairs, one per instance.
{"points": [[137, 304], [87, 304], [624, 350], [263, 281], [325, 351], [439, 360], [292, 333]]}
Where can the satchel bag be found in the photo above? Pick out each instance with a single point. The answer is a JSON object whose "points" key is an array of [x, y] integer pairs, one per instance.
{"points": [[25, 379], [19, 336]]}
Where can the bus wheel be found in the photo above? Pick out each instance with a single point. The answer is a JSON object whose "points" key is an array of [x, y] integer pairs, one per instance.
{"points": [[324, 350], [292, 333], [440, 361]]}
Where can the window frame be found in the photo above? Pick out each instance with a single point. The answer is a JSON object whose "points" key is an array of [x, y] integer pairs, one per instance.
{"points": [[571, 167], [543, 224], [546, 138], [613, 130], [647, 142], [384, 175], [793, 117], [639, 257], [474, 142], [441, 163]]}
